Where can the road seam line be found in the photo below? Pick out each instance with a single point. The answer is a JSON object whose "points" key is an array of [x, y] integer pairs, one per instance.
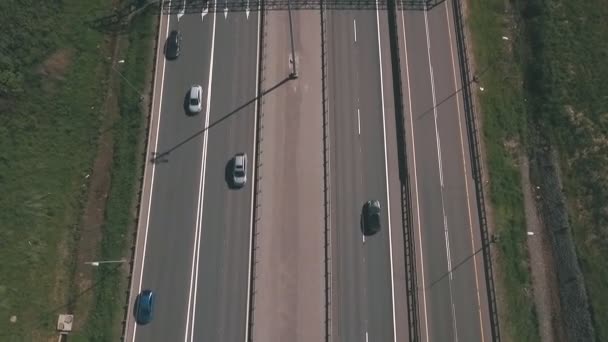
{"points": [[438, 140], [465, 177], [407, 70]]}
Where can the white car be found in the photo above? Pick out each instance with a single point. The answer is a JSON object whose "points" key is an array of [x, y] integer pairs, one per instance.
{"points": [[239, 171], [195, 99]]}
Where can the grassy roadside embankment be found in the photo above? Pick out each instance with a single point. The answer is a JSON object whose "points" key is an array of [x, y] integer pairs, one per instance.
{"points": [[54, 70], [107, 310], [559, 67], [504, 120], [568, 99]]}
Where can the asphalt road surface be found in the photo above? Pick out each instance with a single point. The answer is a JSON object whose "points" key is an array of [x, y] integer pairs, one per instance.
{"points": [[193, 248], [223, 265], [452, 296], [363, 305], [174, 202]]}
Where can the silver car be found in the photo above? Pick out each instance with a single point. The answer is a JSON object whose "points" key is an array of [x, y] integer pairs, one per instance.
{"points": [[195, 100], [239, 170]]}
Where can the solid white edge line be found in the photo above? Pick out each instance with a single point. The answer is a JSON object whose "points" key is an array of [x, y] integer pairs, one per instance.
{"points": [[466, 182], [407, 70], [160, 112], [253, 178], [445, 226], [205, 146], [388, 202]]}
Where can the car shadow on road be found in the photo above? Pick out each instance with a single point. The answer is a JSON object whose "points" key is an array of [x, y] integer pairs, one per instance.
{"points": [[228, 174], [158, 157], [187, 105]]}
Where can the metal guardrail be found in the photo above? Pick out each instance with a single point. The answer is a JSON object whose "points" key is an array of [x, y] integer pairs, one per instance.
{"points": [[257, 166], [476, 165], [406, 204], [326, 178]]}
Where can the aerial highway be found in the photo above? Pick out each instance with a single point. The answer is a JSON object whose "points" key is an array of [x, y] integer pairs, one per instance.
{"points": [[452, 297], [363, 285], [199, 236], [193, 245]]}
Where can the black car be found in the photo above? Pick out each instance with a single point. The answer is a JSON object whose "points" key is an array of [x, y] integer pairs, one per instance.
{"points": [[144, 307], [173, 45], [371, 217]]}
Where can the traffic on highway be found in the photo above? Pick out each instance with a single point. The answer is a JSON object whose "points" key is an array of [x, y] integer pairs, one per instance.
{"points": [[272, 206]]}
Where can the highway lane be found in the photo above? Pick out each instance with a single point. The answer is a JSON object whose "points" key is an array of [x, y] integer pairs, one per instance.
{"points": [[452, 297], [223, 264], [173, 211], [362, 287]]}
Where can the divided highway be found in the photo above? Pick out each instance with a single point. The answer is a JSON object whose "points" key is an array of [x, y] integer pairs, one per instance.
{"points": [[195, 232]]}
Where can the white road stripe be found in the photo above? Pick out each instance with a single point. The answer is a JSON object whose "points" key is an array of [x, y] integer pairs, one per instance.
{"points": [[407, 70], [195, 261], [466, 181], [388, 202], [359, 120], [447, 236], [355, 28], [159, 108]]}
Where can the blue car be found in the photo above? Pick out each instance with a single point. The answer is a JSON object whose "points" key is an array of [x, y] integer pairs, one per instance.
{"points": [[144, 307]]}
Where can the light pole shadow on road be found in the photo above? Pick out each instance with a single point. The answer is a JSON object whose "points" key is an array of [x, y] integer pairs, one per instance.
{"points": [[460, 264], [161, 157]]}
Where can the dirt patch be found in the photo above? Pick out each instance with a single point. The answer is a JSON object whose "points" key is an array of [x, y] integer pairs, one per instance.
{"points": [[542, 263], [84, 245], [57, 64], [91, 227]]}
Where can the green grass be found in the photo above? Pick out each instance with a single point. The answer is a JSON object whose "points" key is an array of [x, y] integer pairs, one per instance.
{"points": [[48, 142], [107, 311], [560, 68], [570, 102], [505, 131]]}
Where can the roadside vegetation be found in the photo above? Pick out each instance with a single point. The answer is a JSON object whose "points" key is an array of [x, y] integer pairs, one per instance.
{"points": [[505, 132], [568, 91], [551, 74], [120, 216], [54, 76]]}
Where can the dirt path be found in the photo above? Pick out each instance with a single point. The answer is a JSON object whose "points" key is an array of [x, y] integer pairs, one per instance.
{"points": [[542, 264]]}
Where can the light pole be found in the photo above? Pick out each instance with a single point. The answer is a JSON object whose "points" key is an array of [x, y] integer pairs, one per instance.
{"points": [[294, 73], [97, 263]]}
